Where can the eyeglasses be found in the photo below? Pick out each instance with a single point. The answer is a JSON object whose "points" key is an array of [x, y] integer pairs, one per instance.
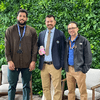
{"points": [[72, 28]]}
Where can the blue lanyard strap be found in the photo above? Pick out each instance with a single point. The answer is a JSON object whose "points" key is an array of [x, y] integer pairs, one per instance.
{"points": [[20, 33]]}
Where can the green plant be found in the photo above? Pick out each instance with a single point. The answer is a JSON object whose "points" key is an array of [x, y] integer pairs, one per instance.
{"points": [[40, 93], [85, 12]]}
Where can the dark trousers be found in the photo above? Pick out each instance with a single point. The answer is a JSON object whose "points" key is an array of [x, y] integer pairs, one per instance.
{"points": [[13, 79]]}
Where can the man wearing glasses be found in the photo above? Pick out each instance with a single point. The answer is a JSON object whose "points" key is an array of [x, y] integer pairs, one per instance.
{"points": [[78, 59]]}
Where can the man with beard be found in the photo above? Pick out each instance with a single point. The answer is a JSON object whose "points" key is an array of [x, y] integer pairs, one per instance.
{"points": [[52, 60], [21, 52]]}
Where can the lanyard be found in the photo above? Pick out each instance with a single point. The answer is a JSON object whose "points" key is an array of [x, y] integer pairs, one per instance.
{"points": [[70, 45], [20, 34]]}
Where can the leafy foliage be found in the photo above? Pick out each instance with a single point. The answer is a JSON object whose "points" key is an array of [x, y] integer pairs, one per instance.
{"points": [[85, 12]]}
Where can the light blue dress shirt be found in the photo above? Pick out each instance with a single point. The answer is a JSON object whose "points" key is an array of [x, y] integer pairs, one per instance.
{"points": [[49, 57]]}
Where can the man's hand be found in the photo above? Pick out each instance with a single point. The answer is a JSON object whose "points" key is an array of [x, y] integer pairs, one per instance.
{"points": [[11, 65], [32, 66], [40, 52]]}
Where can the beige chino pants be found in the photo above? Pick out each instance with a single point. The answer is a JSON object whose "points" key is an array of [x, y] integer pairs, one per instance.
{"points": [[72, 78], [49, 73]]}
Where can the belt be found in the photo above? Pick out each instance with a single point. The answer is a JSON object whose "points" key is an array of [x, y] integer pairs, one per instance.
{"points": [[49, 63], [71, 65]]}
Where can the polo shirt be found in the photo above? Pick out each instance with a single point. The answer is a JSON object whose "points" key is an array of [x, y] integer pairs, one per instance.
{"points": [[71, 52]]}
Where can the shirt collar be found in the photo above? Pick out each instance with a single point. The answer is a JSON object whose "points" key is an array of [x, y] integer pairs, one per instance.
{"points": [[74, 39], [51, 30]]}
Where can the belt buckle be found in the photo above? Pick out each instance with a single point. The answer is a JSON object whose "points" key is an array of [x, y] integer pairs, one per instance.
{"points": [[49, 63], [72, 66]]}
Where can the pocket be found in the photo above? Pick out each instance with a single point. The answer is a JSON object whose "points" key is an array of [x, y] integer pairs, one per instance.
{"points": [[80, 47], [80, 73], [85, 69]]}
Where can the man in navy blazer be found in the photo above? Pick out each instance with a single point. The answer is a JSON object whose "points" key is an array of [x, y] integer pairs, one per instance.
{"points": [[51, 64]]}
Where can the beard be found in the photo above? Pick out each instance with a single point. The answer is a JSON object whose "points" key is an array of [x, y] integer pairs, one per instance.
{"points": [[50, 26], [21, 23]]}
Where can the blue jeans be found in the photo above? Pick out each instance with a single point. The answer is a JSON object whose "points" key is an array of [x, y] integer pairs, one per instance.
{"points": [[13, 79]]}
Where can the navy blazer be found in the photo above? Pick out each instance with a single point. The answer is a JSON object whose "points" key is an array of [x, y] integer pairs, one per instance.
{"points": [[58, 48]]}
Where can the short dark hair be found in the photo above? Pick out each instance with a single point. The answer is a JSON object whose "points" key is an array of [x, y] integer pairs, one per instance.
{"points": [[23, 10], [50, 17], [73, 22]]}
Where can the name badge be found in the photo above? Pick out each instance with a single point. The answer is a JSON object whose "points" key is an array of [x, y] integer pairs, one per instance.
{"points": [[19, 51], [80, 43], [57, 41]]}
